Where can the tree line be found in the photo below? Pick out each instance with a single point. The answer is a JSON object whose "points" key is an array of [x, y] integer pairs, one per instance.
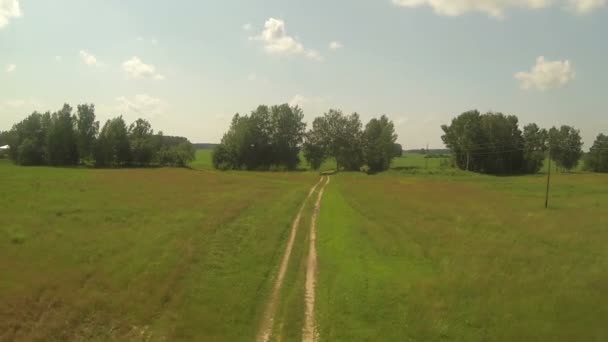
{"points": [[493, 143], [272, 138], [66, 138]]}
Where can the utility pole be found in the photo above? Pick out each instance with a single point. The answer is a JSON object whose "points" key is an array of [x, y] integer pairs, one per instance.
{"points": [[548, 181], [426, 157]]}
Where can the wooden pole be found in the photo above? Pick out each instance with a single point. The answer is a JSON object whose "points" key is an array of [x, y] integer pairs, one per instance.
{"points": [[548, 181]]}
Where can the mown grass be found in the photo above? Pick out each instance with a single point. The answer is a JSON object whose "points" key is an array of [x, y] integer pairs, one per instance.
{"points": [[157, 254], [463, 257]]}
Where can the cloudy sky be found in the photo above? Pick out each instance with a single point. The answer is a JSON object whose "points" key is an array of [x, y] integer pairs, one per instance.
{"points": [[189, 65]]}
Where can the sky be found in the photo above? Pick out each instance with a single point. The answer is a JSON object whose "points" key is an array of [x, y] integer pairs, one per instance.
{"points": [[188, 66]]}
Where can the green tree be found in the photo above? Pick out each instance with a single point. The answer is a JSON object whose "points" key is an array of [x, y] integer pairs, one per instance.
{"points": [[141, 138], [535, 147], [86, 130], [379, 144], [338, 136], [490, 143], [31, 132], [597, 158], [113, 147], [397, 150], [267, 137], [287, 130], [565, 145], [61, 141]]}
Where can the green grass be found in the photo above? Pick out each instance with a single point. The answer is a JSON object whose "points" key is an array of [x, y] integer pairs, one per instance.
{"points": [[134, 254], [410, 254], [463, 258]]}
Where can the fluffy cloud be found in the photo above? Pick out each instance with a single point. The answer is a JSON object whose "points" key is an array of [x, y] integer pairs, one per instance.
{"points": [[586, 6], [546, 75], [298, 100], [335, 45], [141, 105], [11, 68], [136, 69], [9, 9], [88, 58], [277, 42], [496, 8]]}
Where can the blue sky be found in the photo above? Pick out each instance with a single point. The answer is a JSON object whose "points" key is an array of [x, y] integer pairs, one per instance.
{"points": [[188, 66]]}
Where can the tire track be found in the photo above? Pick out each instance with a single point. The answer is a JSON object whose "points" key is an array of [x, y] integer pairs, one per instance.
{"points": [[268, 318], [309, 333]]}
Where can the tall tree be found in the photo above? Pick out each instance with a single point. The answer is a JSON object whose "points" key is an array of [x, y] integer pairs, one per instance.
{"points": [[379, 143], [141, 139], [31, 133], [61, 141], [535, 147], [489, 143], [565, 145], [287, 135], [338, 136], [597, 158], [113, 147], [86, 129]]}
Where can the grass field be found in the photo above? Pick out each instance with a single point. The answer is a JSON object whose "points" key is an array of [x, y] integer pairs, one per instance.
{"points": [[131, 254], [411, 254], [463, 258]]}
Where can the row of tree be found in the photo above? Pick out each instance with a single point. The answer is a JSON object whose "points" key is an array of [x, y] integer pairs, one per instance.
{"points": [[64, 138], [493, 143], [273, 137]]}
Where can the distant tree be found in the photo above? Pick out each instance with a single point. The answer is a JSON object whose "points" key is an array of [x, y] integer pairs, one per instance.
{"points": [[113, 147], [267, 137], [462, 136], [86, 130], [287, 130], [379, 144], [222, 158], [397, 150], [535, 147], [565, 145], [61, 140], [31, 133], [490, 143], [141, 139], [597, 158], [172, 151], [338, 136]]}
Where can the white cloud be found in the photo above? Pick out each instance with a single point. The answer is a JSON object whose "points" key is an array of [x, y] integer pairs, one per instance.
{"points": [[497, 8], [277, 42], [298, 100], [141, 105], [546, 75], [152, 41], [136, 69], [402, 120], [58, 58], [9, 9], [11, 68], [19, 107], [247, 27], [88, 58], [335, 45], [586, 6], [314, 55]]}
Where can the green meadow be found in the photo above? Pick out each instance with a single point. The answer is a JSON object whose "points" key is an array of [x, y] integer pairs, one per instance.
{"points": [[418, 253]]}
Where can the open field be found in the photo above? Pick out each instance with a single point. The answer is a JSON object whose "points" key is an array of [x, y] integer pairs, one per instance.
{"points": [[128, 254], [410, 254], [463, 258]]}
